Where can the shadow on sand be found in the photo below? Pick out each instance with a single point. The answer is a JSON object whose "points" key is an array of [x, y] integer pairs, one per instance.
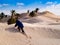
{"points": [[54, 24], [32, 21], [45, 32], [11, 29]]}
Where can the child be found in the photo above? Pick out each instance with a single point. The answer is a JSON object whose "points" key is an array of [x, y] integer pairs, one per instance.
{"points": [[20, 25]]}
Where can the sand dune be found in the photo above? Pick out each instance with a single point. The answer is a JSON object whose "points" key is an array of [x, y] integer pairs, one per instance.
{"points": [[40, 30], [51, 15], [37, 35]]}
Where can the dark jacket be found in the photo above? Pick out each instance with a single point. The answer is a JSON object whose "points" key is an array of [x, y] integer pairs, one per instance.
{"points": [[19, 24]]}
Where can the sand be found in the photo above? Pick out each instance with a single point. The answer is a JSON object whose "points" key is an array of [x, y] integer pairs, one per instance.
{"points": [[40, 30], [37, 35]]}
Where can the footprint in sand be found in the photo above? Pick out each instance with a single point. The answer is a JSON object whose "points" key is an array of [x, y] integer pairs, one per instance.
{"points": [[29, 40], [29, 44], [30, 37]]}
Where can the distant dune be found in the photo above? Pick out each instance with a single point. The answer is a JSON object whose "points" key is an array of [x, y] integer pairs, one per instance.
{"points": [[42, 18], [50, 15]]}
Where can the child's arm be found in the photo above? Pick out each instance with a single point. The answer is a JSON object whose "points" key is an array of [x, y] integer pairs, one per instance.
{"points": [[15, 25]]}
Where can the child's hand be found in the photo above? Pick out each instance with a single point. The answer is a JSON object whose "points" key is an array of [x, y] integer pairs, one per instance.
{"points": [[15, 27]]}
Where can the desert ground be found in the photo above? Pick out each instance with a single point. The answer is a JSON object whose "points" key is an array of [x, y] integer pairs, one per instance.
{"points": [[40, 30]]}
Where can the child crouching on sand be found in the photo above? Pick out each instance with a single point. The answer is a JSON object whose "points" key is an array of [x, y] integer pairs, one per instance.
{"points": [[20, 25]]}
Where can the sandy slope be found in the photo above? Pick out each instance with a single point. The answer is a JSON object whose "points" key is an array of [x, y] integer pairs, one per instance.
{"points": [[40, 30], [37, 35]]}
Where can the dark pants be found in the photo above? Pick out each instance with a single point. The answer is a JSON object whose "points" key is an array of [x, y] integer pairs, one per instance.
{"points": [[20, 29]]}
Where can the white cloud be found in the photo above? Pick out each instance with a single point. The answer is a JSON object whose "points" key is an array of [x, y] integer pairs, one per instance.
{"points": [[5, 4], [2, 5], [7, 12], [49, 3], [54, 8], [20, 4]]}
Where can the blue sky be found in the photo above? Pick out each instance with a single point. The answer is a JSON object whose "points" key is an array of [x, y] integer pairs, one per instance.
{"points": [[24, 5]]}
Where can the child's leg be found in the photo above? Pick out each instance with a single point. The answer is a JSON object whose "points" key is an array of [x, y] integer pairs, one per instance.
{"points": [[22, 30], [19, 29]]}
